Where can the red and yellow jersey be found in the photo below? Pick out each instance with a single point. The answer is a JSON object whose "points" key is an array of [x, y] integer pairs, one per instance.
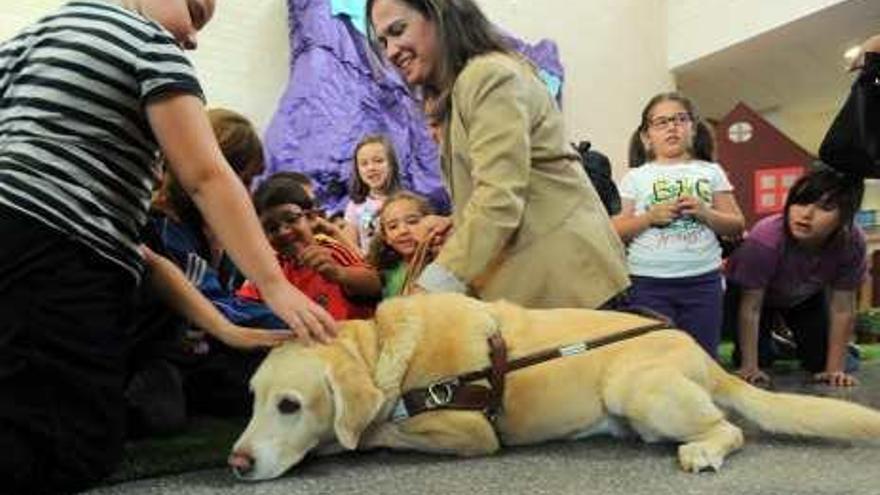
{"points": [[330, 295]]}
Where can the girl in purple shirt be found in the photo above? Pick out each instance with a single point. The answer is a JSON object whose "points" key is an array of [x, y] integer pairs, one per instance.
{"points": [[806, 265]]}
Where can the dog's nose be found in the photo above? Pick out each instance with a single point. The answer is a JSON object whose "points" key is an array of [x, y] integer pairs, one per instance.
{"points": [[241, 463]]}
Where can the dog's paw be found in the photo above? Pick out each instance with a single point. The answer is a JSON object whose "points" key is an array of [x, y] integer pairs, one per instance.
{"points": [[699, 456]]}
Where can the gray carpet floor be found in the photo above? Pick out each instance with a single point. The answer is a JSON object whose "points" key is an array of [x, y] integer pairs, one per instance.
{"points": [[766, 466]]}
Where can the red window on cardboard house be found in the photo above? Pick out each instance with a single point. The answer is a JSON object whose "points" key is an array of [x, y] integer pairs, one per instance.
{"points": [[771, 187]]}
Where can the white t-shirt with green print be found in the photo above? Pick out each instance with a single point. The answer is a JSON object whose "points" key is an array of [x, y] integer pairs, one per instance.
{"points": [[686, 247]]}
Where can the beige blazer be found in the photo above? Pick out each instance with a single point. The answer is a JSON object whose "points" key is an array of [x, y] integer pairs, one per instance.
{"points": [[529, 226]]}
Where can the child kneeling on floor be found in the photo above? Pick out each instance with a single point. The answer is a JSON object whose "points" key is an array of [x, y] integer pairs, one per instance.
{"points": [[806, 265]]}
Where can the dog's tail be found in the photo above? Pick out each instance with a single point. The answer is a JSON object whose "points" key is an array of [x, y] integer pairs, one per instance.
{"points": [[795, 414]]}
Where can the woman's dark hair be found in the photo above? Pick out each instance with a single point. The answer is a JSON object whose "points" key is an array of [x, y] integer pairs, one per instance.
{"points": [[463, 32], [831, 189], [380, 255], [703, 146], [358, 189], [282, 190]]}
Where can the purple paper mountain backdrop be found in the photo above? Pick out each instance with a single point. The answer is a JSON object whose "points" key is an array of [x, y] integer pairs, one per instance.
{"points": [[338, 93]]}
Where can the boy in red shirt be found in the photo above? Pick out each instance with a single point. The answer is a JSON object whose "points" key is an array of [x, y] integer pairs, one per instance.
{"points": [[324, 269]]}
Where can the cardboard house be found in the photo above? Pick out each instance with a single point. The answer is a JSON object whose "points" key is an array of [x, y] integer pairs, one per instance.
{"points": [[761, 162]]}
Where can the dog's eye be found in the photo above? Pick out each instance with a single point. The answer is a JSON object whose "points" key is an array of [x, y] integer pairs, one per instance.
{"points": [[288, 406]]}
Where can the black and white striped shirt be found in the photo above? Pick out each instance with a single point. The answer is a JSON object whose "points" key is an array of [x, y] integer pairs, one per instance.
{"points": [[76, 150]]}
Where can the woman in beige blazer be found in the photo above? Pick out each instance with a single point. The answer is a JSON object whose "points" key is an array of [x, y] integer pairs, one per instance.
{"points": [[528, 224]]}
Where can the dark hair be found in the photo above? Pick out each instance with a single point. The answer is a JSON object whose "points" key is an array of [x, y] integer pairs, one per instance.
{"points": [[282, 190], [703, 146], [237, 137], [358, 189], [830, 188], [463, 32], [598, 169], [298, 177], [380, 254]]}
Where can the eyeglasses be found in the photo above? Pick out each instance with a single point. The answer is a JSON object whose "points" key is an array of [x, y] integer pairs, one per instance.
{"points": [[665, 121]]}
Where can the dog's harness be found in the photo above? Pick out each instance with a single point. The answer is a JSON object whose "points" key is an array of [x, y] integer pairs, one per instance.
{"points": [[460, 393]]}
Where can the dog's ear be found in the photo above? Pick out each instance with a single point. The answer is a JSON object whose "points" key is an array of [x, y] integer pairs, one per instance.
{"points": [[356, 401]]}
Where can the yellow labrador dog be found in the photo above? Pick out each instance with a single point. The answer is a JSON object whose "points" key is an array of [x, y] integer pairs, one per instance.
{"points": [[661, 385]]}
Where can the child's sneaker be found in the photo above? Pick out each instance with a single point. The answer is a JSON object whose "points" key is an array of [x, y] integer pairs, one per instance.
{"points": [[783, 344]]}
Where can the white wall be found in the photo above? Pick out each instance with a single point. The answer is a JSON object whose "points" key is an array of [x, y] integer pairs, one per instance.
{"points": [[243, 53], [243, 57], [614, 53], [701, 27], [16, 14]]}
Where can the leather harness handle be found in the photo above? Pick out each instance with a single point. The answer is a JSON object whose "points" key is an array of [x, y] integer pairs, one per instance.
{"points": [[459, 393], [419, 261], [498, 359]]}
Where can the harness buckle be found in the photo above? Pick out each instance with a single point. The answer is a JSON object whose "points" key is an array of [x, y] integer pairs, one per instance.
{"points": [[441, 393]]}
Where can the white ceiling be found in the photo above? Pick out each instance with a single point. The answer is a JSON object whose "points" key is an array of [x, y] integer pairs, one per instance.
{"points": [[793, 74]]}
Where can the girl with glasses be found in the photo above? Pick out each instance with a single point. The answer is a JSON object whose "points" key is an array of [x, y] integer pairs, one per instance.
{"points": [[675, 203]]}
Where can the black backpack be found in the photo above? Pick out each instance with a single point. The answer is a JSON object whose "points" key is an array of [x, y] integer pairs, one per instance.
{"points": [[852, 143], [598, 169]]}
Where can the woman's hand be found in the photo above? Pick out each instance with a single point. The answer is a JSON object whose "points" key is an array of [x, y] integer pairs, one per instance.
{"points": [[872, 44], [251, 338], [438, 229], [307, 320], [836, 379], [754, 376]]}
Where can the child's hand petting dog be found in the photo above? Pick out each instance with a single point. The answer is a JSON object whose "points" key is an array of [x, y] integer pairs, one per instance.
{"points": [[319, 259], [251, 338]]}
